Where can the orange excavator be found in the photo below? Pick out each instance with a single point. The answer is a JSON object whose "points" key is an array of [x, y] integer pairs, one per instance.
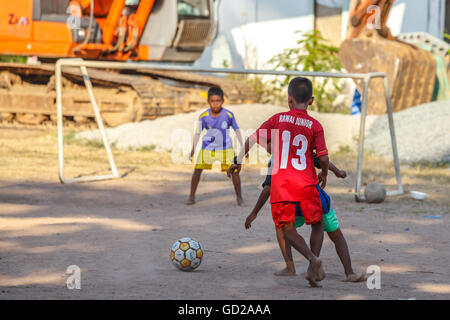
{"points": [[175, 31], [370, 47]]}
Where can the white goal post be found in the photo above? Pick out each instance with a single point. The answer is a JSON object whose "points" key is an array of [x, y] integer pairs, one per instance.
{"points": [[83, 65]]}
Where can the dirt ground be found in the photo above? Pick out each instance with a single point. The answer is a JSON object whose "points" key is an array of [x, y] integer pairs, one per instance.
{"points": [[119, 232]]}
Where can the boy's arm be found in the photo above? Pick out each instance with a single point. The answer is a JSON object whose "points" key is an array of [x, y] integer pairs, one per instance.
{"points": [[235, 127], [196, 138], [241, 141], [265, 193], [198, 131], [322, 153], [236, 166], [337, 172], [324, 163], [239, 137], [260, 135]]}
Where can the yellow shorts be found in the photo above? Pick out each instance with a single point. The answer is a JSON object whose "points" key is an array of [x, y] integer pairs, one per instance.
{"points": [[206, 158]]}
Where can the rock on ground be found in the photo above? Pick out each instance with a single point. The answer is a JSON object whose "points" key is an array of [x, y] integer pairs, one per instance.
{"points": [[423, 133]]}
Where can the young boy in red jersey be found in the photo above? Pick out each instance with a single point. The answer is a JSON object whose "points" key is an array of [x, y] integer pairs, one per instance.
{"points": [[331, 227], [293, 136]]}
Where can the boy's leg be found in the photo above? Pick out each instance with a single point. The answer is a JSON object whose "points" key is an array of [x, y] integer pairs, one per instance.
{"points": [[316, 240], [344, 255], [331, 227], [297, 241], [194, 183], [237, 188], [342, 250], [312, 212], [286, 251]]}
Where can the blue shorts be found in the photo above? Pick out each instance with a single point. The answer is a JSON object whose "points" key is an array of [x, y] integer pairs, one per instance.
{"points": [[330, 219]]}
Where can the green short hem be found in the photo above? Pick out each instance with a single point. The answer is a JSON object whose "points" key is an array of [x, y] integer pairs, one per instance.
{"points": [[330, 220]]}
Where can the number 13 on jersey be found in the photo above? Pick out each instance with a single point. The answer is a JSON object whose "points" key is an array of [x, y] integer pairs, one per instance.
{"points": [[299, 162]]}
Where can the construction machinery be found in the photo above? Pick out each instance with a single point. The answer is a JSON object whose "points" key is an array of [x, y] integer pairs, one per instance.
{"points": [[169, 31], [370, 46]]}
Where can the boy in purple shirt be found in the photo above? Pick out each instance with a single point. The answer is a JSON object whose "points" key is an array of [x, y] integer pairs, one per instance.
{"points": [[217, 144]]}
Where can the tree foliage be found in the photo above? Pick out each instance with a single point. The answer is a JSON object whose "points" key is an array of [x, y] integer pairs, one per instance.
{"points": [[312, 53]]}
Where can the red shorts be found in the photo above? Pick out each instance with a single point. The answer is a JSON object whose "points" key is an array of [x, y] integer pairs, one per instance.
{"points": [[284, 212]]}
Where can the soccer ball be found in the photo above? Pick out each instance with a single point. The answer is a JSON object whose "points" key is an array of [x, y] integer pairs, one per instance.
{"points": [[375, 193], [186, 254]]}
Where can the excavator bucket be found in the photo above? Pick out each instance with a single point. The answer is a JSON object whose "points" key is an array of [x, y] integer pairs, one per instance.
{"points": [[410, 71]]}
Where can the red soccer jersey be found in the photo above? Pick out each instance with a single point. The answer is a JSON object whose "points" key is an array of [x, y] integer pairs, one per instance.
{"points": [[293, 136]]}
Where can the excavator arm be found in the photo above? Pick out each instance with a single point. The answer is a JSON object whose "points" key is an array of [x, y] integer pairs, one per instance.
{"points": [[363, 10], [120, 33], [410, 70]]}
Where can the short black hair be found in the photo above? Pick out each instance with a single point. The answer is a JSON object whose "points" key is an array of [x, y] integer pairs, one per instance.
{"points": [[301, 89], [215, 91]]}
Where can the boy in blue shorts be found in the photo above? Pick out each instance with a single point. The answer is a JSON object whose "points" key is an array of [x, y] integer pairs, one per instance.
{"points": [[216, 144], [331, 226]]}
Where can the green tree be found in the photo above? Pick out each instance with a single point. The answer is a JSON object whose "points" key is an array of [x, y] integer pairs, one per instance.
{"points": [[312, 53]]}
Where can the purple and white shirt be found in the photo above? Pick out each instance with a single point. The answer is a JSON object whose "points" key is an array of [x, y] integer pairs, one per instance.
{"points": [[217, 135]]}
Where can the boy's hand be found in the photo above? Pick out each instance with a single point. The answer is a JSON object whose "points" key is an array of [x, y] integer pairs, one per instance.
{"points": [[233, 168], [249, 220], [322, 180], [341, 174], [191, 155]]}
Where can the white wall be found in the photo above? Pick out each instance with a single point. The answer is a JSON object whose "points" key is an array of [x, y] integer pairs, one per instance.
{"points": [[256, 30], [257, 43], [418, 16]]}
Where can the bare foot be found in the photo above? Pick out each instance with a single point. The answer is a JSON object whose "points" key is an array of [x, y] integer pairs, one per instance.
{"points": [[355, 278], [312, 282], [313, 272], [190, 201], [322, 274], [240, 202], [285, 273], [316, 265]]}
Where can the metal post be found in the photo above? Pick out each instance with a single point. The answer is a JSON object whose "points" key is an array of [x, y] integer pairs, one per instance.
{"points": [[59, 120], [98, 117], [362, 128], [393, 140]]}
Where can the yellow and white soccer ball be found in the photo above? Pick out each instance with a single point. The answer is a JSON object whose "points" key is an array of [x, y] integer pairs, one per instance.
{"points": [[186, 254]]}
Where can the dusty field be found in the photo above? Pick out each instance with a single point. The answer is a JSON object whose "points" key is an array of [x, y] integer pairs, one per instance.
{"points": [[119, 232]]}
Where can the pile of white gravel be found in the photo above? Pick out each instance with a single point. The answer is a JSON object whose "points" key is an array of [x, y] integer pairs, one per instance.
{"points": [[422, 132]]}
